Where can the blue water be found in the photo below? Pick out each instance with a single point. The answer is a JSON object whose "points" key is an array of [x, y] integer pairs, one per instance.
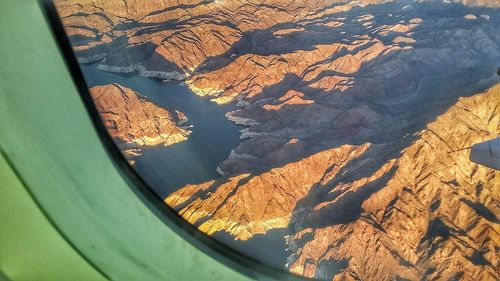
{"points": [[167, 169]]}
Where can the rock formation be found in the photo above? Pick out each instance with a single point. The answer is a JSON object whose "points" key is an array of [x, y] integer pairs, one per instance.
{"points": [[246, 205], [428, 214], [134, 121]]}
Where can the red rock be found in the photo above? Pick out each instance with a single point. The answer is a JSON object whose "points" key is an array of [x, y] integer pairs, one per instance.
{"points": [[134, 121]]}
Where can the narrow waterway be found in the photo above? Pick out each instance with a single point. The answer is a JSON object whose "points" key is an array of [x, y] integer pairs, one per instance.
{"points": [[167, 169]]}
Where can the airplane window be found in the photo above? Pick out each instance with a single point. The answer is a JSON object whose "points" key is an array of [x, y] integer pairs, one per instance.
{"points": [[328, 139]]}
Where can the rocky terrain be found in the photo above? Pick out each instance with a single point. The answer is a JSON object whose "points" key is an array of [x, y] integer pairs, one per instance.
{"points": [[428, 214], [134, 121], [345, 59], [245, 205], [358, 115]]}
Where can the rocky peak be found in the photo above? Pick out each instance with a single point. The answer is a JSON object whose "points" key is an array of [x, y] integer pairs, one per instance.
{"points": [[134, 121]]}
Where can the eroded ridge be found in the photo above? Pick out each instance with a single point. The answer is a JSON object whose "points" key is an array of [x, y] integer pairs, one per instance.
{"points": [[134, 121]]}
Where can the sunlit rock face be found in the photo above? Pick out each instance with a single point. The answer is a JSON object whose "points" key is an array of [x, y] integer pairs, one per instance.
{"points": [[246, 205], [134, 121], [359, 117], [428, 214]]}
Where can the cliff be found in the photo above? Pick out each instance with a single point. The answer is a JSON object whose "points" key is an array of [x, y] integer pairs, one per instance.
{"points": [[134, 121]]}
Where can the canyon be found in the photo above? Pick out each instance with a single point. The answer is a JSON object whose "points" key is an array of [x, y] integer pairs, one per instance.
{"points": [[358, 117]]}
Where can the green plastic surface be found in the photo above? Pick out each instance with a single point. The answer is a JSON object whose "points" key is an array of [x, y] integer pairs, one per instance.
{"points": [[48, 138], [30, 248]]}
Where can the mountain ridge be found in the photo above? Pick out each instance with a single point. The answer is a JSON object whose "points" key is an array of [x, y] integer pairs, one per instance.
{"points": [[358, 119]]}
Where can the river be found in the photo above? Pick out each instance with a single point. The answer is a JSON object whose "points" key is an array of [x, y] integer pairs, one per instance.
{"points": [[167, 169]]}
